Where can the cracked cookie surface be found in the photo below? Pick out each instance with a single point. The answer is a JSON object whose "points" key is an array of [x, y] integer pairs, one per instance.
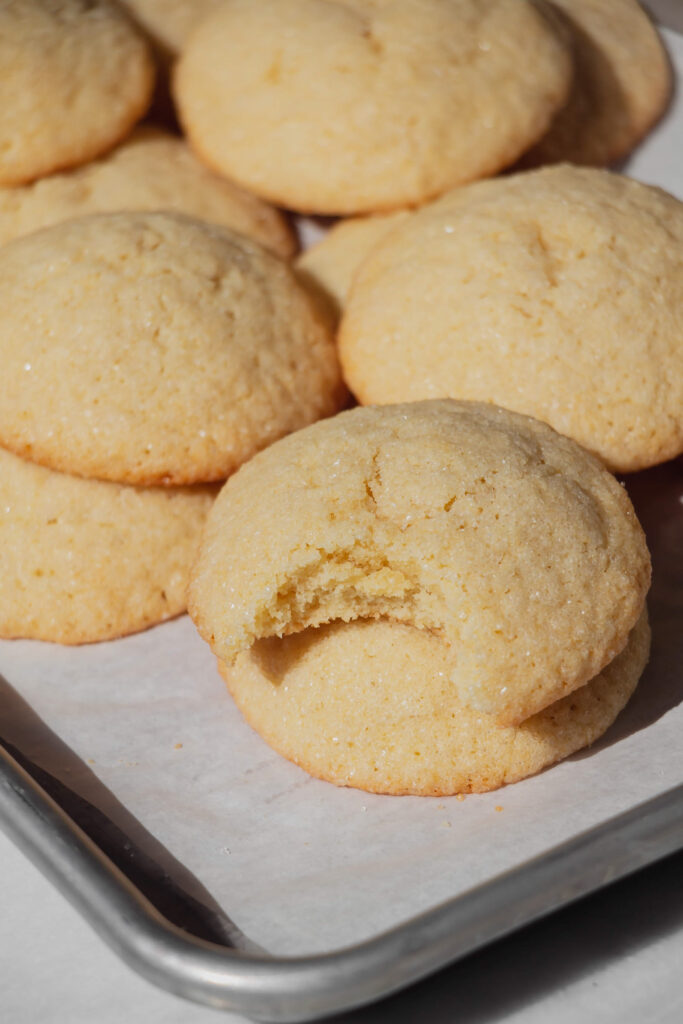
{"points": [[153, 348], [487, 528], [372, 705], [391, 101], [557, 293]]}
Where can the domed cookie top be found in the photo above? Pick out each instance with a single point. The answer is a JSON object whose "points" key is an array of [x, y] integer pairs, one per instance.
{"points": [[557, 293], [486, 527], [76, 76], [621, 85], [152, 348], [351, 106], [372, 705], [152, 170], [85, 560]]}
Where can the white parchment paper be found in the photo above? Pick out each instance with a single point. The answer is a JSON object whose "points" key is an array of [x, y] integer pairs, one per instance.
{"points": [[142, 729]]}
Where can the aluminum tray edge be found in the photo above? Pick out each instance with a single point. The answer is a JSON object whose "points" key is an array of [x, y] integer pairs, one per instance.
{"points": [[281, 990]]}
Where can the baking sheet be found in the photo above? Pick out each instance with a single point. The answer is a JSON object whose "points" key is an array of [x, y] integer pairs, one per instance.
{"points": [[143, 730]]}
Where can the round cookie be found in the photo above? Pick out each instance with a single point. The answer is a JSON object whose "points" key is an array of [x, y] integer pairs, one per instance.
{"points": [[82, 560], [76, 76], [390, 103], [622, 84], [328, 267], [152, 348], [557, 293], [151, 170], [485, 527], [371, 705]]}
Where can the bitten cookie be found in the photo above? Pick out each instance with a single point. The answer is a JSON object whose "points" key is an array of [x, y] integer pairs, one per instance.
{"points": [[152, 170], [350, 107], [76, 76], [557, 293], [330, 265], [622, 84], [152, 348], [82, 560], [487, 528], [372, 705]]}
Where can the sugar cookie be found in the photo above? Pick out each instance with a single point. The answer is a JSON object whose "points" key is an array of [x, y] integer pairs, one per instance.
{"points": [[152, 348], [557, 293], [350, 106], [488, 528], [76, 76], [82, 560], [371, 705], [622, 84]]}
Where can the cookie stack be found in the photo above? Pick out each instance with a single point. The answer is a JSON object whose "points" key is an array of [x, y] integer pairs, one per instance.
{"points": [[479, 582], [443, 608], [155, 352], [77, 77], [145, 356], [434, 594], [620, 85]]}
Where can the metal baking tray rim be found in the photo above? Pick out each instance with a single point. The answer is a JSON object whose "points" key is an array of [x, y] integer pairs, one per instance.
{"points": [[304, 988]]}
